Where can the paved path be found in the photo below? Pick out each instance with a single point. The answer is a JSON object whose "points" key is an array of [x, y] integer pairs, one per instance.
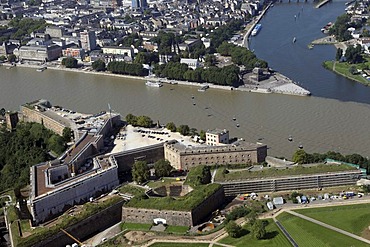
{"points": [[328, 226], [286, 233]]}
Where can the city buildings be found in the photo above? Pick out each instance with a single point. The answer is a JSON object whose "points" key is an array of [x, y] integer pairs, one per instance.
{"points": [[88, 40], [217, 136]]}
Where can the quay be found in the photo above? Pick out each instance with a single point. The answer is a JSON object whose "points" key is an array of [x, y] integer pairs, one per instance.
{"points": [[319, 5]]}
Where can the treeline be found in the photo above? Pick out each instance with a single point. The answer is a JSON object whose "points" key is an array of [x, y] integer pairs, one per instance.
{"points": [[301, 157], [341, 25], [25, 147], [241, 56], [225, 32], [25, 26], [123, 68], [228, 75]]}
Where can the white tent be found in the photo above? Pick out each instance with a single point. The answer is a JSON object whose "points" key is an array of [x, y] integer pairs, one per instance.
{"points": [[159, 221]]}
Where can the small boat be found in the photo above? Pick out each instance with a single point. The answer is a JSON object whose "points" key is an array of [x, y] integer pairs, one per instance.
{"points": [[234, 118], [203, 89], [290, 138], [294, 39], [194, 103], [192, 97], [153, 84], [41, 69], [300, 146], [238, 125]]}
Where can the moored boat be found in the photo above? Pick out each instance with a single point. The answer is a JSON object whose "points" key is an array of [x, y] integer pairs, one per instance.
{"points": [[153, 84], [256, 29]]}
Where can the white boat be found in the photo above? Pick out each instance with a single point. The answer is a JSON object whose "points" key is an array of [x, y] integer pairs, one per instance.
{"points": [[153, 84], [203, 89], [41, 69], [294, 39], [256, 29]]}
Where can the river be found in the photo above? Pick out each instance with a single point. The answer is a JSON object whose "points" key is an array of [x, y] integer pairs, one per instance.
{"points": [[319, 123]]}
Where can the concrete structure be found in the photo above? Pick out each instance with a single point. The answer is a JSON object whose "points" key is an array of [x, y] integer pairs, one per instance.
{"points": [[185, 157], [54, 31], [216, 137], [77, 53], [192, 63], [40, 53], [296, 182], [88, 40], [119, 50], [176, 218], [11, 120]]}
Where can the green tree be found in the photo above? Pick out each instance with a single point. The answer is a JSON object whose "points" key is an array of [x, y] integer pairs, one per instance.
{"points": [[131, 119], [162, 168], [251, 217], [300, 157], [352, 69], [144, 121], [12, 58], [210, 60], [140, 172], [353, 54], [67, 134], [233, 229], [99, 65], [339, 54], [2, 58], [56, 144], [258, 229], [202, 135], [69, 62], [183, 130], [171, 126]]}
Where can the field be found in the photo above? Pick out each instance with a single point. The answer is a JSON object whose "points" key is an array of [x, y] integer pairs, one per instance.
{"points": [[343, 69], [308, 234], [351, 218], [274, 238]]}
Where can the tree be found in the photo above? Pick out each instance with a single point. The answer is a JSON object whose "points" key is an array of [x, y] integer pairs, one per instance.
{"points": [[183, 130], [353, 54], [2, 58], [352, 70], [69, 62], [233, 229], [99, 65], [300, 157], [202, 135], [162, 168], [171, 127], [339, 54], [12, 58], [258, 229], [251, 217], [140, 172], [131, 119], [67, 134], [2, 112], [144, 121], [56, 144], [210, 60]]}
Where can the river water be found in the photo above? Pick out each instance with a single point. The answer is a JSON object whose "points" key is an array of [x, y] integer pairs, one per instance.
{"points": [[320, 123]]}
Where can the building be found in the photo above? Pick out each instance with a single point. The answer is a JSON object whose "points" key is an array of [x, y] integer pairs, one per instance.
{"points": [[192, 63], [119, 50], [40, 53], [11, 120], [88, 40], [216, 137], [184, 157], [139, 4], [54, 31], [77, 53]]}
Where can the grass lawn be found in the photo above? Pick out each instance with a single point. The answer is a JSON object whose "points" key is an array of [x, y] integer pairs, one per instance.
{"points": [[136, 226], [274, 238], [343, 69], [351, 218], [273, 172], [179, 245], [309, 234], [177, 229], [133, 190], [163, 182]]}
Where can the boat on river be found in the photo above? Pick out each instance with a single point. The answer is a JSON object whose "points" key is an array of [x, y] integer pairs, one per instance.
{"points": [[41, 69], [203, 89], [294, 39], [256, 29], [153, 84]]}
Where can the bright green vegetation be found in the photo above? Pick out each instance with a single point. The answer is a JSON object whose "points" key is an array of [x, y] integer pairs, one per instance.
{"points": [[309, 234], [351, 218], [25, 147], [136, 226], [198, 175], [274, 237], [162, 182], [64, 222], [185, 203], [133, 190], [273, 172], [177, 229], [344, 70], [25, 26], [180, 245]]}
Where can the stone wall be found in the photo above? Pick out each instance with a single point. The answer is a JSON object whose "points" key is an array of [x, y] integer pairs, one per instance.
{"points": [[176, 218], [86, 228], [314, 181]]}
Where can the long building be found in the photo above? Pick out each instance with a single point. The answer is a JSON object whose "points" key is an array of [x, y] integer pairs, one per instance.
{"points": [[184, 157]]}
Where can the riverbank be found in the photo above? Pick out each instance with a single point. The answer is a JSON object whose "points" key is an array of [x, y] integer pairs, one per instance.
{"points": [[289, 87], [343, 69]]}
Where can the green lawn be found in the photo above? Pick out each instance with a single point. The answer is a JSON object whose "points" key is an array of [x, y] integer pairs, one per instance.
{"points": [[309, 234], [179, 245], [343, 69], [274, 238], [163, 182], [177, 229], [136, 226], [351, 218], [133, 190], [273, 172]]}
